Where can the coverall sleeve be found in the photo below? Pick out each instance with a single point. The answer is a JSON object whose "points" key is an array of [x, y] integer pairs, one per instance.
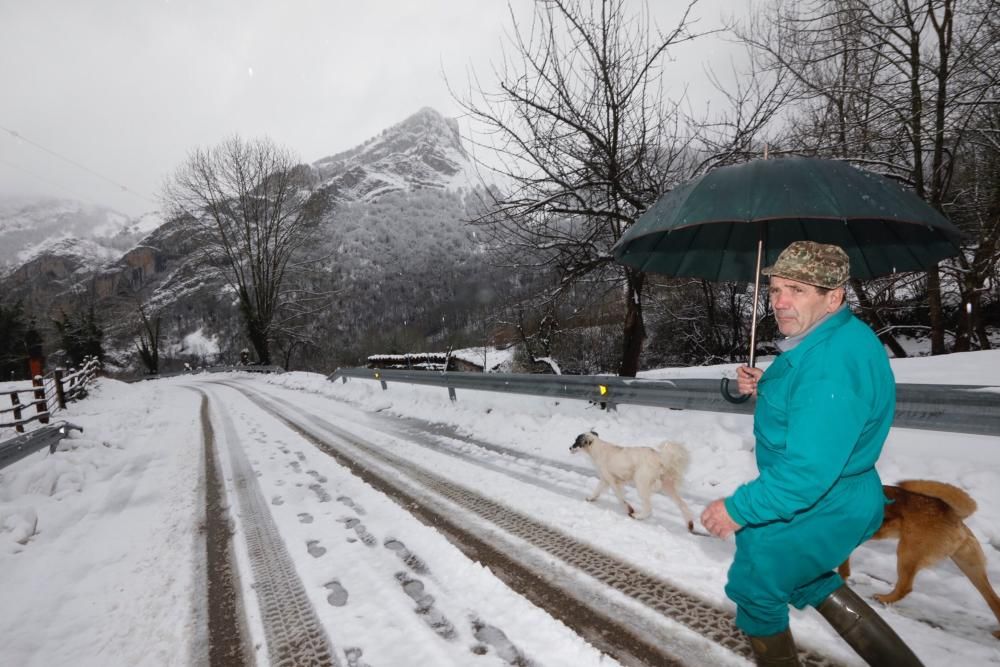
{"points": [[825, 420]]}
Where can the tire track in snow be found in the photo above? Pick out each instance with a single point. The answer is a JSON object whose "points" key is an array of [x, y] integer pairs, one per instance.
{"points": [[228, 636], [295, 637]]}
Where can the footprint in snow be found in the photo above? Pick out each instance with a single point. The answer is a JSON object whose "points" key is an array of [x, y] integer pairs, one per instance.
{"points": [[320, 492], [315, 550], [277, 500], [493, 636], [295, 466], [425, 606], [353, 655], [350, 522], [305, 517], [315, 475], [350, 503], [338, 594], [412, 561]]}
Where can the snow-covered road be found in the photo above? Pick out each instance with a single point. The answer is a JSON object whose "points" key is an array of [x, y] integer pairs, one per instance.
{"points": [[375, 528], [625, 612]]}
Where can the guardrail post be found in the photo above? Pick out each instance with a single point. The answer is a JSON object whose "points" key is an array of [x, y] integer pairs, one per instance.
{"points": [[16, 402], [451, 394], [41, 408], [604, 399], [60, 392]]}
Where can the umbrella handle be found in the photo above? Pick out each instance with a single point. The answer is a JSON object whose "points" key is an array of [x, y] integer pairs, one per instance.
{"points": [[724, 388]]}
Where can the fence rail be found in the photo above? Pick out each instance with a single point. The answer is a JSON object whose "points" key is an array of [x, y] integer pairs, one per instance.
{"points": [[47, 395], [973, 409]]}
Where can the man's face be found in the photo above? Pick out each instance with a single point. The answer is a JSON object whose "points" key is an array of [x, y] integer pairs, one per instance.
{"points": [[797, 306]]}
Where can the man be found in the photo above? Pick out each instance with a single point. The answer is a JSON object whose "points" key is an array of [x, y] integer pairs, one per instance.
{"points": [[824, 407]]}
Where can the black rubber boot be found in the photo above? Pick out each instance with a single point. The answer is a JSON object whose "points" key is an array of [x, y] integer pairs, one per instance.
{"points": [[775, 650], [866, 632]]}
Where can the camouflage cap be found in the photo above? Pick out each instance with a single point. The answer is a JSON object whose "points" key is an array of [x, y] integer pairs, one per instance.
{"points": [[812, 263]]}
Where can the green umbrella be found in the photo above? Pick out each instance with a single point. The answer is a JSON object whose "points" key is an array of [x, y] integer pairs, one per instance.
{"points": [[728, 223]]}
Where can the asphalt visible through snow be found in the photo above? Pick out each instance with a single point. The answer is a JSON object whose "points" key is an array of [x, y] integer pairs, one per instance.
{"points": [[227, 634]]}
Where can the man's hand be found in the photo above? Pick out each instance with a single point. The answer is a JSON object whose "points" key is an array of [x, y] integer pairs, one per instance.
{"points": [[717, 521], [746, 379]]}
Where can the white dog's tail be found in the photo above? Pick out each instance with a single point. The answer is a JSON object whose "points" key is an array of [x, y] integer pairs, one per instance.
{"points": [[675, 458]]}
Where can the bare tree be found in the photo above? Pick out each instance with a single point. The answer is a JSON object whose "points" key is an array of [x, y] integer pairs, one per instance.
{"points": [[254, 209], [586, 141], [148, 342], [748, 119], [891, 85], [977, 211]]}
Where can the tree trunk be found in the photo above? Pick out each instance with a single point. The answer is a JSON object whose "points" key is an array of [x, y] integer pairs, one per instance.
{"points": [[984, 339], [970, 322], [964, 326], [258, 338], [870, 315], [635, 330], [288, 355], [935, 311]]}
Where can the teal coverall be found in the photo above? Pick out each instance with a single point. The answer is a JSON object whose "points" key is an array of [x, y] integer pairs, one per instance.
{"points": [[823, 411]]}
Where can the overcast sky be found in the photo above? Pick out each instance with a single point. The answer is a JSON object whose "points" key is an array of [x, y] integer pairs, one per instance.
{"points": [[112, 94]]}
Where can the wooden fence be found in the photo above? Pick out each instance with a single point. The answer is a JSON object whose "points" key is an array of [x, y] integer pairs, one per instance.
{"points": [[46, 395]]}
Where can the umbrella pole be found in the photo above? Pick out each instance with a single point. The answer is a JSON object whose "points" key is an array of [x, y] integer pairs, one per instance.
{"points": [[756, 300], [742, 398]]}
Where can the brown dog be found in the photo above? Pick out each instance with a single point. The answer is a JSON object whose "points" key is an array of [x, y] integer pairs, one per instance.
{"points": [[926, 517]]}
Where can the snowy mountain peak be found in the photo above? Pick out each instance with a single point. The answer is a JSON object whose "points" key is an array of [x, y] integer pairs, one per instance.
{"points": [[425, 150], [29, 227]]}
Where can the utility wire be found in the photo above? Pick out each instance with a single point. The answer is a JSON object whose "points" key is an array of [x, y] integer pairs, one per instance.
{"points": [[17, 135], [32, 174], [75, 193]]}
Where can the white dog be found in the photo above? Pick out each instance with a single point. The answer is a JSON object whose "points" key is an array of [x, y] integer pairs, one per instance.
{"points": [[649, 469]]}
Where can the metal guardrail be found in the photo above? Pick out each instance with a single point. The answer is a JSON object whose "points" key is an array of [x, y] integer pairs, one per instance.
{"points": [[971, 409], [15, 449], [210, 369]]}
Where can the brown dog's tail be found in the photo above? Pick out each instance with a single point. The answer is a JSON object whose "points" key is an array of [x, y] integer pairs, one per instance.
{"points": [[956, 498]]}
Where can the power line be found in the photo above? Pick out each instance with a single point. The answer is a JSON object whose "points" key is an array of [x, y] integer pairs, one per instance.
{"points": [[73, 192], [18, 136], [32, 174]]}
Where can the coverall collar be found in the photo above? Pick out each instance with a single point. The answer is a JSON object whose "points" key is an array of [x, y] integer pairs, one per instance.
{"points": [[795, 346]]}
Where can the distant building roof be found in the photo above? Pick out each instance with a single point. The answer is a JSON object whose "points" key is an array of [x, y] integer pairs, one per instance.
{"points": [[474, 356]]}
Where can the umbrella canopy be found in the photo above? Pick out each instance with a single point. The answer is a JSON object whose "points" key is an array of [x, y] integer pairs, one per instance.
{"points": [[728, 223], [710, 227]]}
